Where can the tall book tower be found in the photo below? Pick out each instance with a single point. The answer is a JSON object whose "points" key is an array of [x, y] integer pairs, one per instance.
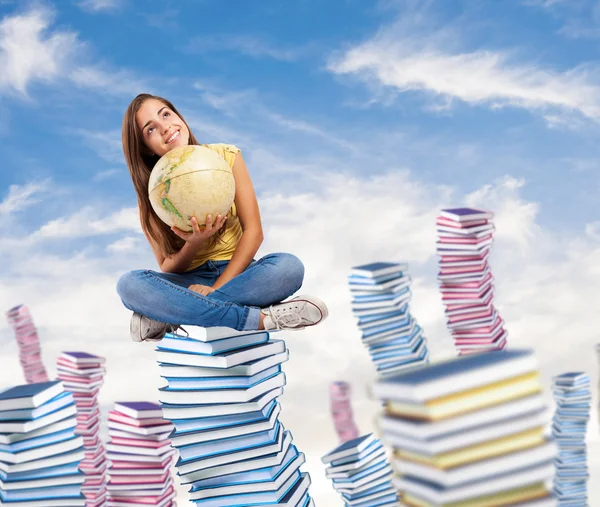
{"points": [[30, 354], [464, 240], [221, 396], [469, 431], [341, 411], [82, 375], [380, 303], [572, 395], [40, 453], [140, 456]]}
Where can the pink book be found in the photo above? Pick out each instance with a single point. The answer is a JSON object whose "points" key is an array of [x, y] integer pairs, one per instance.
{"points": [[464, 241], [118, 417], [154, 444], [473, 315], [440, 220]]}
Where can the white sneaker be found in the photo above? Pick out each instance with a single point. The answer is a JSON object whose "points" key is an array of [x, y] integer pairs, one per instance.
{"points": [[295, 314], [145, 329]]}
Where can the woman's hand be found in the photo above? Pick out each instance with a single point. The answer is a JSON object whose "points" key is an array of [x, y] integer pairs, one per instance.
{"points": [[203, 290], [198, 236]]}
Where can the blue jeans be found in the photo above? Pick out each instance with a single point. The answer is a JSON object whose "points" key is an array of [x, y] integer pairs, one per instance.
{"points": [[165, 296]]}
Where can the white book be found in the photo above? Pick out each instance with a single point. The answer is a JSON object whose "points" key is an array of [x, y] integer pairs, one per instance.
{"points": [[229, 445], [351, 448], [29, 395], [231, 457], [183, 344], [42, 452], [63, 424], [224, 360], [221, 382], [425, 430], [290, 471], [481, 469], [377, 269], [469, 491], [196, 437], [52, 502], [273, 459], [455, 375], [292, 498], [209, 334], [354, 485], [250, 476], [368, 486], [219, 409], [63, 480], [355, 466], [241, 370], [138, 450], [210, 396], [56, 460], [475, 436]]}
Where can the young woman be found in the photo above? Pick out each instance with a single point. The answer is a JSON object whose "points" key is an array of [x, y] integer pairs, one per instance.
{"points": [[208, 276]]}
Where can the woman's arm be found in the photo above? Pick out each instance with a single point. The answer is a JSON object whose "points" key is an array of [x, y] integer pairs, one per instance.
{"points": [[182, 260], [249, 216]]}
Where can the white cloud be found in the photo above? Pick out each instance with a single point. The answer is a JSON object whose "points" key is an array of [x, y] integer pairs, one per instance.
{"points": [[125, 244], [106, 144], [30, 52], [100, 5], [107, 174], [545, 283], [108, 81], [86, 222], [247, 45], [400, 59], [21, 196]]}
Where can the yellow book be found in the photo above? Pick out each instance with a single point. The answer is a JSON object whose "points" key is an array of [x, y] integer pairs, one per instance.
{"points": [[489, 449], [469, 400], [502, 499]]}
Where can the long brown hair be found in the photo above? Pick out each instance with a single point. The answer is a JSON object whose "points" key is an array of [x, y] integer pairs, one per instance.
{"points": [[140, 162]]}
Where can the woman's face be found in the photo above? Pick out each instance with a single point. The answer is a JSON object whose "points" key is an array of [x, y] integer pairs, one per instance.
{"points": [[162, 130]]}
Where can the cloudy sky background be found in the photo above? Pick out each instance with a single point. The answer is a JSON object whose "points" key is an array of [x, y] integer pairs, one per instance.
{"points": [[357, 124]]}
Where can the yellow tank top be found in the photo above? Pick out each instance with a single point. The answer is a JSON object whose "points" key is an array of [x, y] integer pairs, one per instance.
{"points": [[222, 249]]}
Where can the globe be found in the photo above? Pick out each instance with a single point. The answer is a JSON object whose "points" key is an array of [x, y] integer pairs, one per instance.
{"points": [[190, 181]]}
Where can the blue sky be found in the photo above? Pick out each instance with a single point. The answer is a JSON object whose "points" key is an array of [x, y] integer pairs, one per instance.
{"points": [[358, 121], [271, 76]]}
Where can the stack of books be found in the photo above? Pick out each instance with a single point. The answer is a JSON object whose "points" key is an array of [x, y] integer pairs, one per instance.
{"points": [[140, 456], [464, 240], [82, 374], [341, 411], [469, 431], [28, 341], [573, 396], [380, 302], [598, 357], [39, 450], [221, 396], [361, 473]]}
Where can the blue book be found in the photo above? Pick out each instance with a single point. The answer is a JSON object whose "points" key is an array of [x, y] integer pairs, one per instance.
{"points": [[62, 400], [39, 473], [249, 477], [197, 437], [181, 344], [183, 426], [285, 472], [228, 445], [29, 395], [289, 494], [350, 448], [378, 269], [356, 282], [32, 443], [184, 383]]}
